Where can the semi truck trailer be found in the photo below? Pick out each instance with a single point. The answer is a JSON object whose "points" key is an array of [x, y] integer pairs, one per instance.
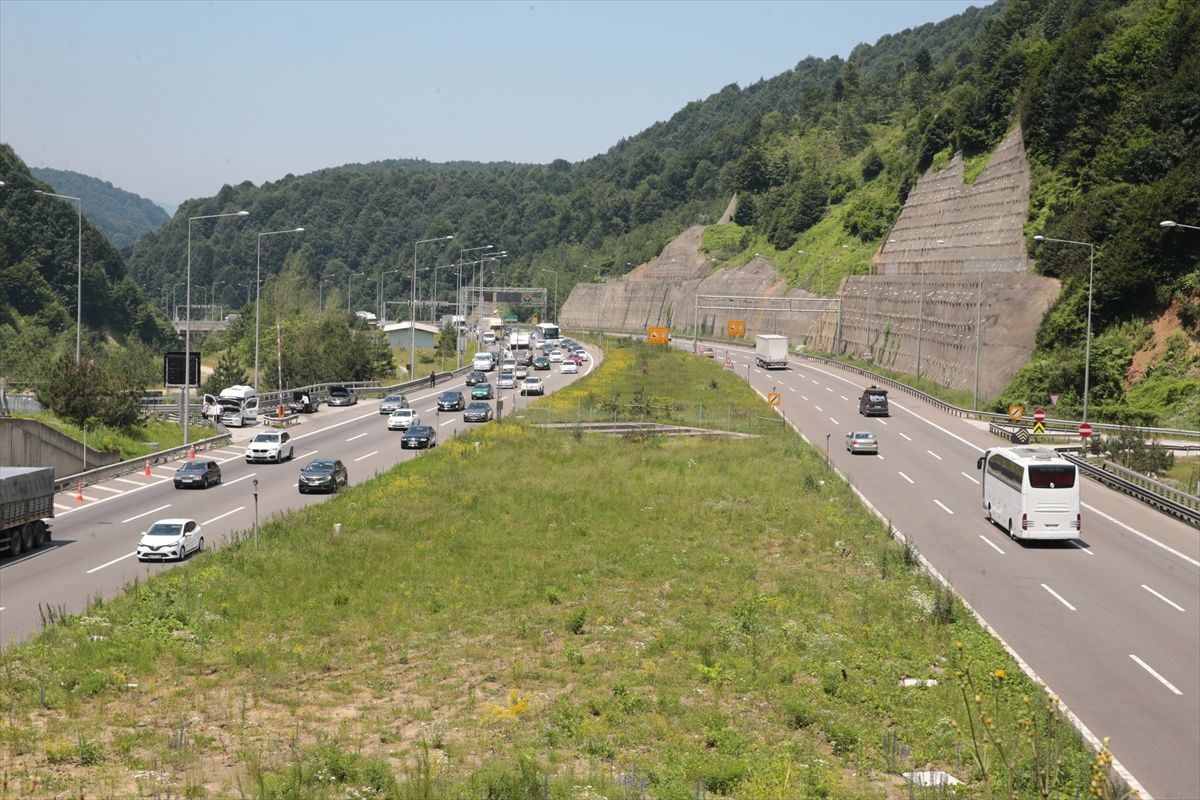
{"points": [[26, 502]]}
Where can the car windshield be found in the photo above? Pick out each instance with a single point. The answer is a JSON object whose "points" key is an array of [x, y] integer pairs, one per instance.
{"points": [[419, 430], [165, 529], [864, 436], [393, 398], [194, 466], [402, 412], [267, 437], [339, 391], [319, 466]]}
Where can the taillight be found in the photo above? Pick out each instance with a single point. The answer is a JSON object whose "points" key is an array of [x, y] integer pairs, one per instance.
{"points": [[1025, 522]]}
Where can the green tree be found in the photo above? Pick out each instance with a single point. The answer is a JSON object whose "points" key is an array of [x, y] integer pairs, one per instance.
{"points": [[228, 372]]}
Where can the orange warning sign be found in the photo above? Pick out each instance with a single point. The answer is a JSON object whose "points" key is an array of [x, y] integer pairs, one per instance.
{"points": [[736, 327]]}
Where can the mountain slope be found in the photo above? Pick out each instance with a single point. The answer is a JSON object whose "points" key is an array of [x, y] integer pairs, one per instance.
{"points": [[121, 216]]}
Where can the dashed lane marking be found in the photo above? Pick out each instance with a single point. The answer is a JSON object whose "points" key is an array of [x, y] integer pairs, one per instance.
{"points": [[971, 478], [1171, 603], [1059, 597], [107, 489], [146, 513], [902, 475], [1160, 678], [236, 480], [991, 544], [943, 506], [368, 455], [222, 516], [110, 563]]}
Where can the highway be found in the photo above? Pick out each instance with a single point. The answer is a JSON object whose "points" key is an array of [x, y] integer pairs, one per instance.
{"points": [[1110, 622], [92, 550]]}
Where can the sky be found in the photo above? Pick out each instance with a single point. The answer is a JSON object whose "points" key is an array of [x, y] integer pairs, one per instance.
{"points": [[172, 100]]}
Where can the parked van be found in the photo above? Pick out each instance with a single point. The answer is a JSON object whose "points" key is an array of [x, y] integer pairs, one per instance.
{"points": [[238, 406], [874, 402], [484, 362]]}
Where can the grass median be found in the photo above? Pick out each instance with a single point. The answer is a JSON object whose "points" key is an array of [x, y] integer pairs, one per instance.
{"points": [[545, 614]]}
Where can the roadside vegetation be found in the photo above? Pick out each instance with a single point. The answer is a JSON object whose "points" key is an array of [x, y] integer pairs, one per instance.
{"points": [[533, 613]]}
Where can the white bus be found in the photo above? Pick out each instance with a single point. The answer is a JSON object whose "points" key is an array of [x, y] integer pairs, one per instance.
{"points": [[547, 332], [1032, 492]]}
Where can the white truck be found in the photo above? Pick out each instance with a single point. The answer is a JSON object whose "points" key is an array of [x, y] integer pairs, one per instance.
{"points": [[520, 340], [771, 351], [26, 502], [238, 406]]}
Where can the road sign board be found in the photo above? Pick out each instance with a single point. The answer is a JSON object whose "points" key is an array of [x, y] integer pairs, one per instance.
{"points": [[728, 362], [657, 335], [1020, 436], [1038, 427], [736, 327], [773, 398], [1039, 415], [1016, 412], [1085, 430], [1054, 399], [173, 368]]}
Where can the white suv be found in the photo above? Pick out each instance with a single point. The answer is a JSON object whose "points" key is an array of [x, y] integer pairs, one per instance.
{"points": [[270, 446]]}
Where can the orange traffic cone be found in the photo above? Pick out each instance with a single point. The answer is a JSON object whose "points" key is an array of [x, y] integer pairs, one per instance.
{"points": [[192, 452], [147, 468], [79, 492]]}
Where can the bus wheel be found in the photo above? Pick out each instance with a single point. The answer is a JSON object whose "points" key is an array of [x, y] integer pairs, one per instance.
{"points": [[987, 512], [1010, 533]]}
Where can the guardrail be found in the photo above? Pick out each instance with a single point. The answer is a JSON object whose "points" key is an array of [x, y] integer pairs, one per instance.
{"points": [[1149, 491], [91, 476]]}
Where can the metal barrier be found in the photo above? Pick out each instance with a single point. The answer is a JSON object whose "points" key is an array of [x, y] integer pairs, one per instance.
{"points": [[91, 476], [1149, 491]]}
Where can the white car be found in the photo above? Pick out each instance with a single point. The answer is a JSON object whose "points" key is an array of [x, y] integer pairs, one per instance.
{"points": [[270, 446], [521, 372], [507, 380], [569, 366], [509, 364], [556, 355], [170, 539], [402, 419], [582, 354], [533, 385]]}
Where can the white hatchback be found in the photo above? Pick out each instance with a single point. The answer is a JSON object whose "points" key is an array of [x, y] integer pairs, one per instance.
{"points": [[569, 366], [170, 539], [402, 419]]}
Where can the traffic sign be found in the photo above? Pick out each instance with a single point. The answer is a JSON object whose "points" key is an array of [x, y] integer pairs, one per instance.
{"points": [[728, 362], [1038, 427], [1085, 430], [773, 398], [1054, 399], [1039, 415], [657, 335], [1016, 412], [736, 327]]}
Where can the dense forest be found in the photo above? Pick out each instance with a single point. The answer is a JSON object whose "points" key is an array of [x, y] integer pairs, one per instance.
{"points": [[1107, 94], [122, 217]]}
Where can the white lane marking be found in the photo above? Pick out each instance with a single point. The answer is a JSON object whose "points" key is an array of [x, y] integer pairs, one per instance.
{"points": [[110, 563], [146, 513], [935, 455], [1160, 678], [368, 455], [902, 475], [168, 476], [222, 516], [815, 383], [1059, 597], [1136, 532], [1, 608], [906, 436], [817, 407], [939, 502], [447, 422], [828, 388], [1171, 603], [1075, 543], [877, 455], [126, 480], [791, 389], [834, 421], [361, 435], [235, 480], [991, 544], [883, 422], [804, 398], [107, 489], [310, 453], [970, 478], [61, 507]]}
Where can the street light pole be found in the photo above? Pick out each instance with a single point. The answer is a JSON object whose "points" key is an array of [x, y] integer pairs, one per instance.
{"points": [[555, 291], [1087, 348], [187, 334], [79, 267], [382, 308], [349, 285], [1168, 223], [412, 315], [257, 285]]}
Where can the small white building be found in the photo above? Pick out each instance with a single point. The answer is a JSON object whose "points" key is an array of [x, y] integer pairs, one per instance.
{"points": [[399, 335]]}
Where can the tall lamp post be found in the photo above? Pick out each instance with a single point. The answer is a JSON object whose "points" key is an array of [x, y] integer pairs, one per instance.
{"points": [[349, 285], [257, 286], [412, 314], [79, 269], [1170, 223], [379, 292], [1087, 348], [555, 272], [187, 335], [460, 311]]}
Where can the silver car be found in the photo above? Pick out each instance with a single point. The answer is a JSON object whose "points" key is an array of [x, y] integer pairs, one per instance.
{"points": [[862, 442], [392, 402], [507, 380]]}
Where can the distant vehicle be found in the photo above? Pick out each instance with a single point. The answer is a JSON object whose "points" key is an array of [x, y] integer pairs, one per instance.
{"points": [[861, 442], [198, 474], [452, 400], [304, 402], [484, 362], [489, 337], [569, 366], [474, 377], [235, 405], [525, 357], [873, 402], [519, 340], [1032, 492], [556, 355], [342, 396], [521, 372], [402, 419], [392, 402], [541, 362], [771, 351], [508, 364], [581, 355], [707, 351], [270, 446], [482, 391], [323, 475], [170, 539], [547, 332], [507, 380], [418, 437], [533, 385], [26, 502], [477, 412]]}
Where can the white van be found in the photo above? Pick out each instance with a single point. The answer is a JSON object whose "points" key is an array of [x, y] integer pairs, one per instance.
{"points": [[238, 406], [484, 362]]}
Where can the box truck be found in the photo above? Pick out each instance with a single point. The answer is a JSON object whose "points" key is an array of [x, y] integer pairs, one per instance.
{"points": [[771, 351], [26, 502], [237, 406]]}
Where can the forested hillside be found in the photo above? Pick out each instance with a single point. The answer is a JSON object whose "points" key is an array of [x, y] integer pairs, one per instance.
{"points": [[121, 216]]}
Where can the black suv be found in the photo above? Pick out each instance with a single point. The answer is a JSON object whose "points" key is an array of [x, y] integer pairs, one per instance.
{"points": [[541, 362], [452, 401], [874, 402], [475, 376]]}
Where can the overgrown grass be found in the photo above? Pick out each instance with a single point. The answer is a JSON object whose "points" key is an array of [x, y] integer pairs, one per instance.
{"points": [[149, 437], [542, 615]]}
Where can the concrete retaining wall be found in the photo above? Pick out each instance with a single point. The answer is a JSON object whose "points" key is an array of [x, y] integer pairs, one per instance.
{"points": [[29, 443]]}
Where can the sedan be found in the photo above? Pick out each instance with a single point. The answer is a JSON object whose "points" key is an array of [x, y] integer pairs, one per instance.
{"points": [[477, 412], [862, 442], [475, 377], [341, 396], [201, 474], [533, 385], [170, 539], [323, 475], [541, 362], [556, 355], [569, 365], [419, 436], [452, 400], [482, 391], [270, 446], [402, 419], [582, 355], [392, 402], [520, 373], [507, 380]]}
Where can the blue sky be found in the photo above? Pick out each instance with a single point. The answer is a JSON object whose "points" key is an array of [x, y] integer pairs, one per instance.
{"points": [[173, 100]]}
